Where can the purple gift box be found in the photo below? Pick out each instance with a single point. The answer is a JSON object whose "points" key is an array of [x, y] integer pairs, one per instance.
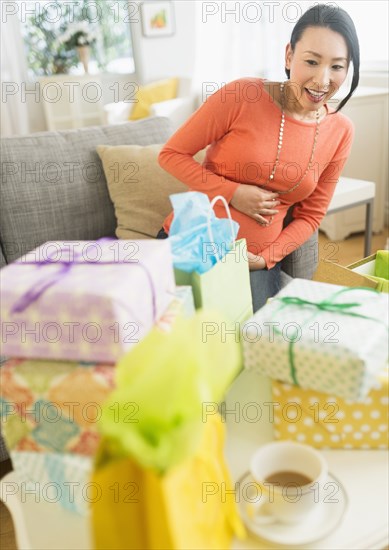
{"points": [[84, 300]]}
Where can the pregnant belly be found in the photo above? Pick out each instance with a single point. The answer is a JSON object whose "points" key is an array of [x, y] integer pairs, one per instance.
{"points": [[258, 237]]}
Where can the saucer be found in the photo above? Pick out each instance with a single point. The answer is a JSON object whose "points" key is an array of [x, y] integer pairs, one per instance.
{"points": [[320, 522]]}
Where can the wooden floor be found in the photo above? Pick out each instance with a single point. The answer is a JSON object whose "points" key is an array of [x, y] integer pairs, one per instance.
{"points": [[7, 536], [344, 252], [351, 249]]}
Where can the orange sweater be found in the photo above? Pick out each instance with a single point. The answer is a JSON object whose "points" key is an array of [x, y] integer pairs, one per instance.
{"points": [[240, 124]]}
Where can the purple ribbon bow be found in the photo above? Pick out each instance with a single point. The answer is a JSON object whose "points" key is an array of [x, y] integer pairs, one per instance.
{"points": [[48, 281]]}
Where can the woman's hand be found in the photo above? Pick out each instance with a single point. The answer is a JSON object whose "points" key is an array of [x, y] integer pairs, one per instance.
{"points": [[255, 262], [255, 202]]}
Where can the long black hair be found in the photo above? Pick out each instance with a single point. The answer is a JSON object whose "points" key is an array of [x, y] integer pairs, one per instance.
{"points": [[338, 20]]}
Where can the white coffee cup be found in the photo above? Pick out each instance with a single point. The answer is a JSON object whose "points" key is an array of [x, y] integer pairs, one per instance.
{"points": [[293, 497]]}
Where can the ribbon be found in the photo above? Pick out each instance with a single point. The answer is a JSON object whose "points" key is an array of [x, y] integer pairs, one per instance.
{"points": [[325, 305], [32, 295]]}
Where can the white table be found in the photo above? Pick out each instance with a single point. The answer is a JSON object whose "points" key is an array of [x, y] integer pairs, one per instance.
{"points": [[364, 474], [349, 193]]}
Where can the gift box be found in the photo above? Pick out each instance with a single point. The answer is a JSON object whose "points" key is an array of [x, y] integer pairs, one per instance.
{"points": [[326, 421], [371, 272], [89, 301], [53, 406], [56, 477], [320, 336], [181, 305]]}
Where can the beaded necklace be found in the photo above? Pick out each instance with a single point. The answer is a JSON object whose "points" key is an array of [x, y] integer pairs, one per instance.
{"points": [[281, 132]]}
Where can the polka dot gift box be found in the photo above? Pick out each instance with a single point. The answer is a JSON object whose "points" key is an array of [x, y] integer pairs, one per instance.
{"points": [[84, 300], [320, 336], [325, 421]]}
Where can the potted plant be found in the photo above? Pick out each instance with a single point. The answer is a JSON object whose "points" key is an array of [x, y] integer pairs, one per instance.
{"points": [[44, 55], [78, 36]]}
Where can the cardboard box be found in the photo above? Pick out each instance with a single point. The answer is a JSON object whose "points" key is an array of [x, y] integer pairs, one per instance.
{"points": [[360, 273]]}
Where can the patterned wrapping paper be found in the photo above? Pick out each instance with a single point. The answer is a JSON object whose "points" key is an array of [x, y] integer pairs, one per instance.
{"points": [[320, 336], [182, 304], [104, 298], [61, 478], [54, 406], [325, 421], [53, 455]]}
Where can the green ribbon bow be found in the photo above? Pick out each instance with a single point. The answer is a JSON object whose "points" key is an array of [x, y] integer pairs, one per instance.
{"points": [[325, 305]]}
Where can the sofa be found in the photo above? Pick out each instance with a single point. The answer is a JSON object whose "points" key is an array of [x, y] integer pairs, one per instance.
{"points": [[53, 187], [177, 110]]}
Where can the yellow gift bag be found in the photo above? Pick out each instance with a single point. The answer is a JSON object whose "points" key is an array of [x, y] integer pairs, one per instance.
{"points": [[158, 455], [139, 508]]}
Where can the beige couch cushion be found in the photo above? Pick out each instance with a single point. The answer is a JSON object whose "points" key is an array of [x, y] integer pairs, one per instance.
{"points": [[139, 188]]}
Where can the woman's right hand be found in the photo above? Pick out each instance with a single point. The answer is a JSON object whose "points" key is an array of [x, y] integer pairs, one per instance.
{"points": [[255, 202]]}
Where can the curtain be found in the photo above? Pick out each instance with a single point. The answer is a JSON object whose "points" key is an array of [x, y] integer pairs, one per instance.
{"points": [[229, 40], [246, 38], [14, 112]]}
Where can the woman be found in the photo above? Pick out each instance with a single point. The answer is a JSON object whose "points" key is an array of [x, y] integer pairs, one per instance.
{"points": [[275, 144]]}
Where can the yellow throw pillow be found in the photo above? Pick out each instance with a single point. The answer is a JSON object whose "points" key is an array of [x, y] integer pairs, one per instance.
{"points": [[139, 188], [153, 93]]}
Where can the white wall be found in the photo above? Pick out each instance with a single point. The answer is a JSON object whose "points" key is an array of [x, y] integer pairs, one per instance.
{"points": [[167, 56], [176, 55]]}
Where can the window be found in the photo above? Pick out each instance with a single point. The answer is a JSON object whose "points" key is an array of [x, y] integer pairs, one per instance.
{"points": [[43, 22]]}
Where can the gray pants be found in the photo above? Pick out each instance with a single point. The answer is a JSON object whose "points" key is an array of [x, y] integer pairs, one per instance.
{"points": [[301, 263], [264, 283]]}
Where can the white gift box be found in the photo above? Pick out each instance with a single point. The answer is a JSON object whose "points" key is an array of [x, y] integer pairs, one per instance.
{"points": [[53, 477], [320, 336]]}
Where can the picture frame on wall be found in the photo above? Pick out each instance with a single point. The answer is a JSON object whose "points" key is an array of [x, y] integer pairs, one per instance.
{"points": [[157, 19]]}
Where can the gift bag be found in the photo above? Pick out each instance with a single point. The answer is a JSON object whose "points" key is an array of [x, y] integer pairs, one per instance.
{"points": [[225, 286], [139, 508], [160, 453]]}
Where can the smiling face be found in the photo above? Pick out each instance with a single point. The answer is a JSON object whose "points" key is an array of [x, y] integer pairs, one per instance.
{"points": [[318, 67]]}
